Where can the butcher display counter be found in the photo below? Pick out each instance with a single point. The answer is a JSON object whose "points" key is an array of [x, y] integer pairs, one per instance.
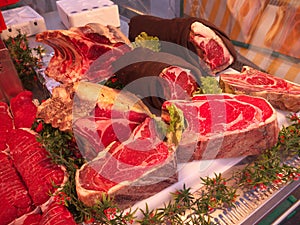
{"points": [[275, 206]]}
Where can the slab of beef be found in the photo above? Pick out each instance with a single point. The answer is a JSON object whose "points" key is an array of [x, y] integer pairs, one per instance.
{"points": [[57, 214], [77, 48], [14, 197], [157, 76], [32, 219], [282, 94], [23, 109], [211, 47], [129, 171], [224, 126], [94, 134], [6, 124], [33, 164]]}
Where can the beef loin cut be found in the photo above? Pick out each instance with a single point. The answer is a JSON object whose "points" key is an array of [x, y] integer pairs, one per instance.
{"points": [[129, 171], [14, 197], [77, 48], [23, 109], [33, 164], [6, 124], [224, 126], [282, 94]]}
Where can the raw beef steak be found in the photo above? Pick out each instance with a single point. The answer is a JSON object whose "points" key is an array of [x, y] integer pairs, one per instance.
{"points": [[77, 48], [223, 126], [33, 164], [206, 45], [282, 94], [94, 134], [32, 219], [57, 214], [128, 171], [14, 197], [23, 110], [6, 124]]}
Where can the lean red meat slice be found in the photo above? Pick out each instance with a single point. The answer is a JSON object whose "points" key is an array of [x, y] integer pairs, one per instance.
{"points": [[57, 214], [23, 109], [33, 164], [14, 197], [6, 124], [128, 171], [210, 47], [282, 94], [224, 126]]}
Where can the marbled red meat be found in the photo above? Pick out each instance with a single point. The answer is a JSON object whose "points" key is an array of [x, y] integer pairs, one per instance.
{"points": [[180, 83], [94, 134], [14, 197], [223, 126], [33, 164], [6, 124], [57, 214], [77, 48], [282, 94], [32, 219], [23, 109], [122, 169]]}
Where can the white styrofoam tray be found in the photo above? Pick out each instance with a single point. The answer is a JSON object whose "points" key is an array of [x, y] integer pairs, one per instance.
{"points": [[23, 18], [78, 13]]}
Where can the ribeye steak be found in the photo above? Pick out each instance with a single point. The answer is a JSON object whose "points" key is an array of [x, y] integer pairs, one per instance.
{"points": [[281, 93], [130, 171], [223, 126]]}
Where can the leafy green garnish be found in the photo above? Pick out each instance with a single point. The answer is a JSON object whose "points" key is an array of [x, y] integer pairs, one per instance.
{"points": [[209, 85], [145, 41], [176, 126]]}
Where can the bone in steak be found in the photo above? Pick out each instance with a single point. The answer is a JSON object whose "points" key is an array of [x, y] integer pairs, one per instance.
{"points": [[207, 45], [33, 164], [23, 109], [14, 197], [282, 94], [6, 124], [94, 134], [128, 171], [223, 126], [77, 48]]}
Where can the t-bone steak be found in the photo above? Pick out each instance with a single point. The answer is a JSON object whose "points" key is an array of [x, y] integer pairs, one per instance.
{"points": [[34, 165], [129, 171], [281, 93], [224, 126]]}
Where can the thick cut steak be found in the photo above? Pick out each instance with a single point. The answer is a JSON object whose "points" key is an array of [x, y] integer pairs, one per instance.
{"points": [[33, 164], [129, 171], [6, 124], [14, 197], [223, 126], [57, 214], [23, 110], [94, 134], [77, 48], [210, 47], [282, 94]]}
